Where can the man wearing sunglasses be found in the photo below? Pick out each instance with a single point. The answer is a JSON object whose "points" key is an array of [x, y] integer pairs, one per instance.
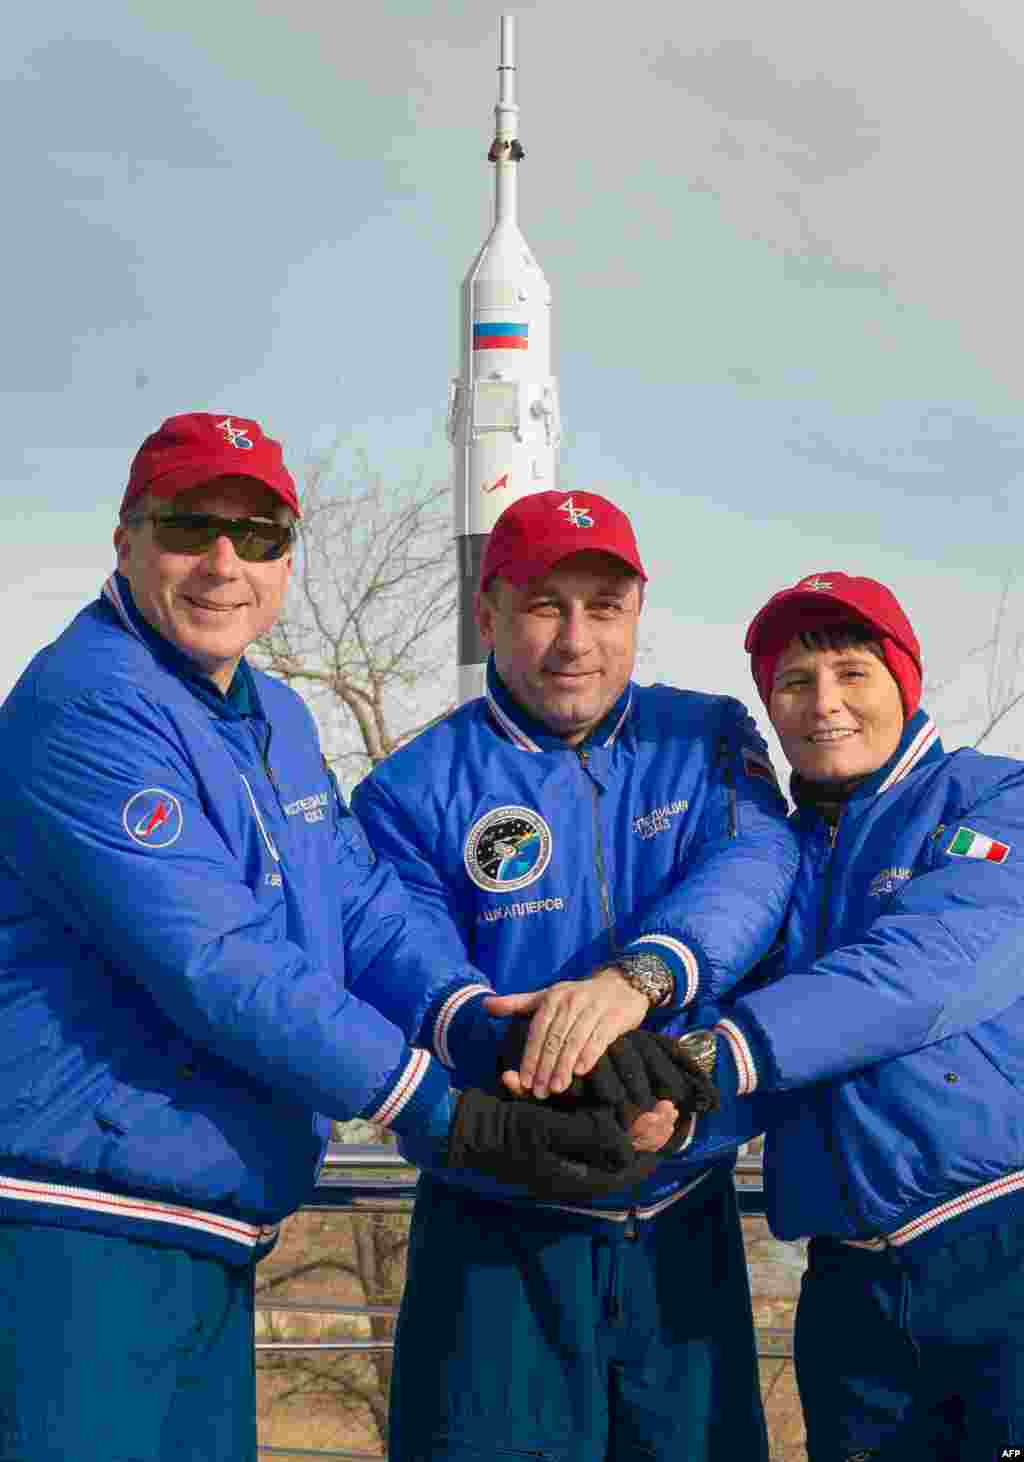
{"points": [[198, 955]]}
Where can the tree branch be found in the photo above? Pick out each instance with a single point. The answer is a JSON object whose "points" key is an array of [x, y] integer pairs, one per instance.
{"points": [[364, 631]]}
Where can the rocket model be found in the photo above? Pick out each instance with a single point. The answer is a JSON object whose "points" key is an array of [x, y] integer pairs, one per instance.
{"points": [[503, 419]]}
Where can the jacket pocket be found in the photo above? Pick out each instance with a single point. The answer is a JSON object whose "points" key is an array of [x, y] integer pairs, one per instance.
{"points": [[1001, 1042]]}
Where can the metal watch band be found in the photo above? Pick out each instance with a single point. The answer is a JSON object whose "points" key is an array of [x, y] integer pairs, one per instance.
{"points": [[649, 974], [702, 1048]]}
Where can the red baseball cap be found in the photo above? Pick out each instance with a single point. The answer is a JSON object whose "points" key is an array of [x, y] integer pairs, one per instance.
{"points": [[539, 530], [832, 598], [201, 446]]}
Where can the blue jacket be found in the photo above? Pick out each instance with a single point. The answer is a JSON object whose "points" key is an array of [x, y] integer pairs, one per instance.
{"points": [[895, 1036], [664, 832], [191, 926]]}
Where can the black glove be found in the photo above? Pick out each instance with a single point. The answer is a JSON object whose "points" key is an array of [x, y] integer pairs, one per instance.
{"points": [[637, 1070], [554, 1154]]}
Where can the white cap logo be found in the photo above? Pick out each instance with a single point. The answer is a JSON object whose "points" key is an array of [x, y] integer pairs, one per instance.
{"points": [[578, 517], [236, 435]]}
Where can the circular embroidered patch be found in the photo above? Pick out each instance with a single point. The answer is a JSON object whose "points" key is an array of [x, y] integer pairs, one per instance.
{"points": [[153, 818], [507, 849]]}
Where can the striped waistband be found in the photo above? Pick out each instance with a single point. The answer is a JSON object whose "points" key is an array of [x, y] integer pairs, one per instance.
{"points": [[622, 1215], [26, 1193], [944, 1212]]}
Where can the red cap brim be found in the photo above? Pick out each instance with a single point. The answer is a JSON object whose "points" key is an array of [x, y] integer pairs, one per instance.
{"points": [[544, 558]]}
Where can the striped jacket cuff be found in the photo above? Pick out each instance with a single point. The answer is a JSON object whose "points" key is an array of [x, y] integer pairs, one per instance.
{"points": [[468, 1039], [447, 1026], [411, 1095], [733, 1039], [680, 959]]}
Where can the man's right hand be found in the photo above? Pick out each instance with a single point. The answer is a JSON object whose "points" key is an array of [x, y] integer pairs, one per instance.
{"points": [[637, 1070], [584, 1153], [652, 1130]]}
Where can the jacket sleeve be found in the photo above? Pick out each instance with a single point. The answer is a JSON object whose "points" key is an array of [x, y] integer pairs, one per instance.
{"points": [[943, 957], [724, 912], [176, 918], [455, 1025]]}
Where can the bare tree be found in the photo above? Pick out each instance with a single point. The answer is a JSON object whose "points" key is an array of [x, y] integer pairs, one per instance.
{"points": [[367, 639], [366, 636], [995, 668], [329, 1397]]}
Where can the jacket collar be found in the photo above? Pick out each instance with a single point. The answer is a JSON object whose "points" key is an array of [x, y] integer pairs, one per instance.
{"points": [[529, 734], [918, 745], [242, 698]]}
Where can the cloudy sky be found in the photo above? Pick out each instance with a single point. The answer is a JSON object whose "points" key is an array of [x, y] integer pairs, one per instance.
{"points": [[783, 240]]}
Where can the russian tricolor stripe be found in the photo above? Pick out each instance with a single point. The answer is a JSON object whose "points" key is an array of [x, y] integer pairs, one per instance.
{"points": [[499, 337]]}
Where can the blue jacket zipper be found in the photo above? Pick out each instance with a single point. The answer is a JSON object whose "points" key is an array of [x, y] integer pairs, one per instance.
{"points": [[841, 1184]]}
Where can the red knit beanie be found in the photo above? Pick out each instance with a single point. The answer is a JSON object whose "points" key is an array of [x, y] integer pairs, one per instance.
{"points": [[830, 599]]}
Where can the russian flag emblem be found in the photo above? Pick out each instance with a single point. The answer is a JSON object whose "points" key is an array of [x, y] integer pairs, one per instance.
{"points": [[488, 336]]}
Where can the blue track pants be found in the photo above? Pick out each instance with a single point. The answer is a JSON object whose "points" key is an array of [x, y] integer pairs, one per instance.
{"points": [[112, 1350], [524, 1333], [917, 1357]]}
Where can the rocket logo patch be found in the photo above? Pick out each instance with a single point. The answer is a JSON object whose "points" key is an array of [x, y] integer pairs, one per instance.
{"points": [[579, 517], [153, 818], [507, 849]]}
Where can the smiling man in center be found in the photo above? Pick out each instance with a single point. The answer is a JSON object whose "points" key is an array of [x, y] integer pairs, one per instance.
{"points": [[628, 844]]}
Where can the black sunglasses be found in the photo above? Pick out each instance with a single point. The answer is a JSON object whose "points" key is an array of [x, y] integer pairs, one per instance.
{"points": [[255, 540]]}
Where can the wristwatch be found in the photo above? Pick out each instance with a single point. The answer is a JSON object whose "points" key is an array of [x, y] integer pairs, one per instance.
{"points": [[649, 974], [701, 1047]]}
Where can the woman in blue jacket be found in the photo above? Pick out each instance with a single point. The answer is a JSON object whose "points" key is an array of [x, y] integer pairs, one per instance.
{"points": [[893, 1031]]}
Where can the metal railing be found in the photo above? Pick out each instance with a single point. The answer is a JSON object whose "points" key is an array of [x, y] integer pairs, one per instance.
{"points": [[368, 1179]]}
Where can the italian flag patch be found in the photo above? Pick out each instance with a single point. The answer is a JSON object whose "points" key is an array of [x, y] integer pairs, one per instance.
{"points": [[969, 844]]}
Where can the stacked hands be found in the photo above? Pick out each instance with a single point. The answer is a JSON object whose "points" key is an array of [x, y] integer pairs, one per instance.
{"points": [[605, 1131]]}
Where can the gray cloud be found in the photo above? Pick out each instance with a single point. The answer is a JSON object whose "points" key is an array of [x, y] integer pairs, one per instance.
{"points": [[155, 208], [940, 453], [822, 129], [89, 117], [80, 94]]}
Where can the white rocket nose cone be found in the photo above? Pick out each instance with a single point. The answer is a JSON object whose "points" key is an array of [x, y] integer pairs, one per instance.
{"points": [[503, 419]]}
